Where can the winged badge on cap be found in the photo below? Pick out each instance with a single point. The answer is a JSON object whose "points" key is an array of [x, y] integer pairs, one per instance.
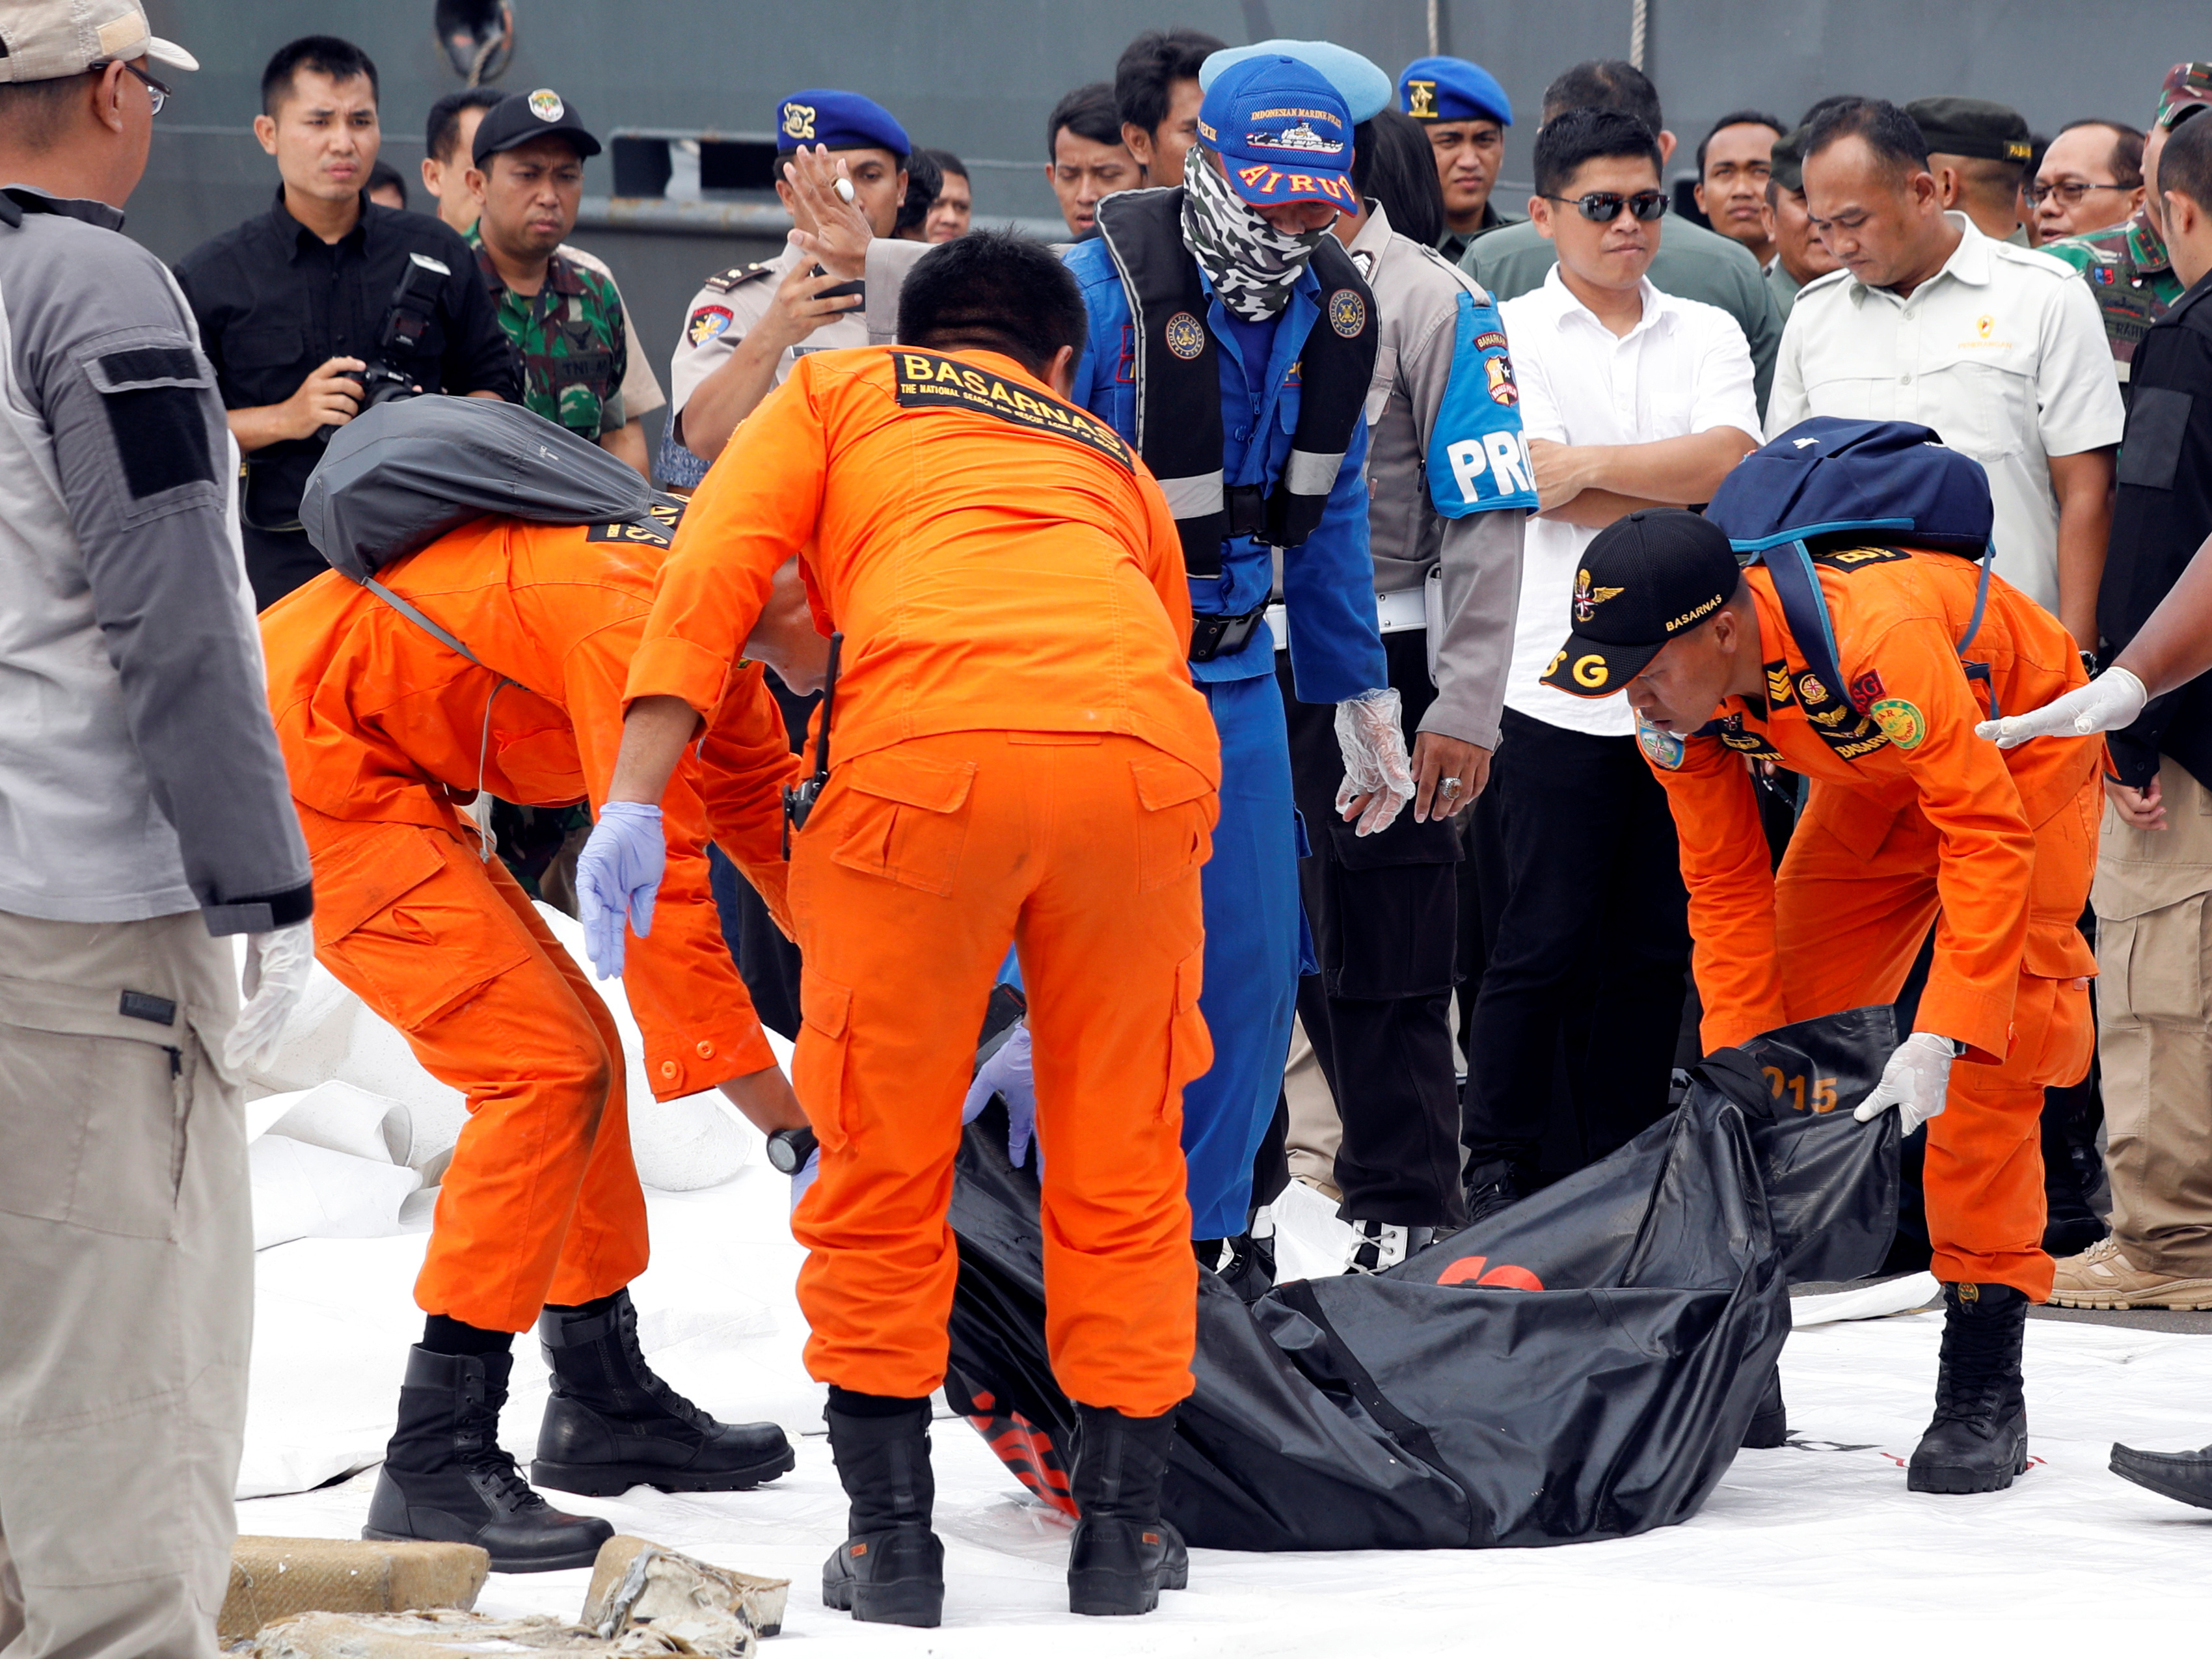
{"points": [[1587, 599]]}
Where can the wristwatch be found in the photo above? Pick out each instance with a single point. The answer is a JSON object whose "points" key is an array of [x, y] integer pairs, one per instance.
{"points": [[2089, 664], [789, 1148]]}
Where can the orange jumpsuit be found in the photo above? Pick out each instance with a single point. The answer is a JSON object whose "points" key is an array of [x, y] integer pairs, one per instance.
{"points": [[1019, 754], [1910, 819], [385, 730]]}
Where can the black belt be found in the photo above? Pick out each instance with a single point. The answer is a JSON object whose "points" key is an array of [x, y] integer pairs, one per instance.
{"points": [[1220, 636]]}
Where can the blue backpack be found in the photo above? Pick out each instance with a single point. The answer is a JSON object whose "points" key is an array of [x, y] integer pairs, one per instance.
{"points": [[1824, 476]]}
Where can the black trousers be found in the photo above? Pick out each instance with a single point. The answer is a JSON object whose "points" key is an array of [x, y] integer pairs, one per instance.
{"points": [[767, 961], [1382, 911], [1591, 951]]}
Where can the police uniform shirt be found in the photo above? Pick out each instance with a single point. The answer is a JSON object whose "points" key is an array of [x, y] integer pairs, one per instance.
{"points": [[1683, 369], [725, 310], [2002, 352], [1416, 306], [274, 302]]}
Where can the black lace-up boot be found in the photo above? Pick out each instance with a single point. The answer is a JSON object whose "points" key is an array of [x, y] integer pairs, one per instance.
{"points": [[1978, 1440], [1124, 1555], [1493, 1189], [446, 1480], [891, 1570], [611, 1423]]}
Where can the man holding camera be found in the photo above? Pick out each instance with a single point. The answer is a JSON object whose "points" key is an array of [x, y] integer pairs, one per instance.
{"points": [[310, 310]]}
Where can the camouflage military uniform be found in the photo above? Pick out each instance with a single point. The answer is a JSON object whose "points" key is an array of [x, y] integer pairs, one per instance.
{"points": [[573, 341], [2130, 277]]}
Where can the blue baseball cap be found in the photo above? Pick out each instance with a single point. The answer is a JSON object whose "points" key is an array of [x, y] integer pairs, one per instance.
{"points": [[1452, 89], [1282, 131], [1358, 81], [839, 120]]}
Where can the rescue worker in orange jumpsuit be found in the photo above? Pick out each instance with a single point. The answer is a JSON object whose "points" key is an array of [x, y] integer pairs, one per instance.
{"points": [[1911, 819], [387, 733], [1019, 757]]}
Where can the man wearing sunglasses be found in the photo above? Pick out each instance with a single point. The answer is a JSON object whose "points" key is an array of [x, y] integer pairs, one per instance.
{"points": [[1630, 398], [146, 822]]}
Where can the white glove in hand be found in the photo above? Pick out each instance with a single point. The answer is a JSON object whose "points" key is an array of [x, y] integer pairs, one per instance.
{"points": [[1915, 1081], [2107, 703], [1009, 1072], [1377, 771], [277, 964]]}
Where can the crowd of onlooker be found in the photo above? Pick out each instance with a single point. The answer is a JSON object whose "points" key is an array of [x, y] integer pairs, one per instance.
{"points": [[1938, 262]]}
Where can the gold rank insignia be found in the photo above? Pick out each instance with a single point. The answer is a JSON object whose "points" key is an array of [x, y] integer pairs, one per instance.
{"points": [[1778, 684]]}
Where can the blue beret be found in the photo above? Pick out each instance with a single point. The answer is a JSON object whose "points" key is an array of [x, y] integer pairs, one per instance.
{"points": [[1452, 89], [1358, 81], [840, 120]]}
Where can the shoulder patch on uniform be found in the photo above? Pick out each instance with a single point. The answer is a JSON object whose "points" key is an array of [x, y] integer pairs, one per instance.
{"points": [[735, 276], [656, 529], [1858, 558], [1900, 721], [927, 380], [704, 323], [152, 395]]}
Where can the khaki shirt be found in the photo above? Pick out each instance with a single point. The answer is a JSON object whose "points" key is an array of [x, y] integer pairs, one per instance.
{"points": [[723, 313], [1416, 305], [2002, 352]]}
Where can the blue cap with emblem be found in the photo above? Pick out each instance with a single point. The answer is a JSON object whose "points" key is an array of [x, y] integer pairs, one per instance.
{"points": [[1282, 132], [837, 120], [1452, 89], [1358, 81]]}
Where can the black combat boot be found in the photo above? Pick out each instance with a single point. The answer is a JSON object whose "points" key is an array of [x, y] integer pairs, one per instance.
{"points": [[1493, 1189], [891, 1570], [1770, 1426], [611, 1423], [1124, 1555], [1979, 1440], [446, 1480]]}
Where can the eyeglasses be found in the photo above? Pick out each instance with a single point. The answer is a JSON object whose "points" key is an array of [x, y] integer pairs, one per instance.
{"points": [[1604, 206], [2070, 192], [157, 96]]}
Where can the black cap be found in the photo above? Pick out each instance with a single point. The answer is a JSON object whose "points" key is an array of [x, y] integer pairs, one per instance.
{"points": [[1787, 168], [1644, 579], [522, 117], [1971, 127]]}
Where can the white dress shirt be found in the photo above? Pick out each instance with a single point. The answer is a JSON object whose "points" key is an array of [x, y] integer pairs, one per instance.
{"points": [[1683, 369], [2002, 352]]}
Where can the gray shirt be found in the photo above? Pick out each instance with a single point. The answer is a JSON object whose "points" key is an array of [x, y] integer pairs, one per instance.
{"points": [[139, 773], [1416, 304], [1692, 264]]}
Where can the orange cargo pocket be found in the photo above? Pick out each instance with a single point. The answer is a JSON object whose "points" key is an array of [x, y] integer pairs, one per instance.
{"points": [[1174, 828], [408, 932], [818, 1059], [1190, 1045], [907, 818], [2051, 1012]]}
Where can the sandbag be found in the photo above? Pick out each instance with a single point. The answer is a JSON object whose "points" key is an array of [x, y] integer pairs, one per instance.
{"points": [[397, 477], [274, 1578], [635, 1581], [1581, 1366]]}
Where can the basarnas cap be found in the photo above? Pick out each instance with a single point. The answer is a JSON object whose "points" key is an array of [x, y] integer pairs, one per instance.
{"points": [[50, 39], [1787, 168], [1452, 89], [522, 117], [1282, 131], [2187, 86], [1972, 126], [1358, 81], [1644, 579], [837, 120]]}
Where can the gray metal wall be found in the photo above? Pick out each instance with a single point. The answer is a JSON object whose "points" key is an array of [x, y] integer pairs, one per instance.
{"points": [[980, 76]]}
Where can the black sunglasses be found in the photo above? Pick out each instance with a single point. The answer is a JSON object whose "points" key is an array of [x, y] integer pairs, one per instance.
{"points": [[1604, 206]]}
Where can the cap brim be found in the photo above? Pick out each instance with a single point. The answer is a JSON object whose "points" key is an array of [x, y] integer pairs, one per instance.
{"points": [[170, 53], [585, 146], [1587, 668], [1340, 198]]}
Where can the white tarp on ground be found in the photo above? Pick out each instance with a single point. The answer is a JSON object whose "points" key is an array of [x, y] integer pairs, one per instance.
{"points": [[1813, 1548]]}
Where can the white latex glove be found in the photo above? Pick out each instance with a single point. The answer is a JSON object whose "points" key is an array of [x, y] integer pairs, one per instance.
{"points": [[1915, 1081], [2107, 703], [1011, 1072], [277, 964], [1375, 768]]}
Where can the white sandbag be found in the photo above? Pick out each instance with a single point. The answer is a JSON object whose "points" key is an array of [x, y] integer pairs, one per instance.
{"points": [[304, 1191], [1891, 1296]]}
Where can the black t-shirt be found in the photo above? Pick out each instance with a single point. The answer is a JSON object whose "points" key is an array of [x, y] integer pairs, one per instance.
{"points": [[275, 301], [2161, 515]]}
